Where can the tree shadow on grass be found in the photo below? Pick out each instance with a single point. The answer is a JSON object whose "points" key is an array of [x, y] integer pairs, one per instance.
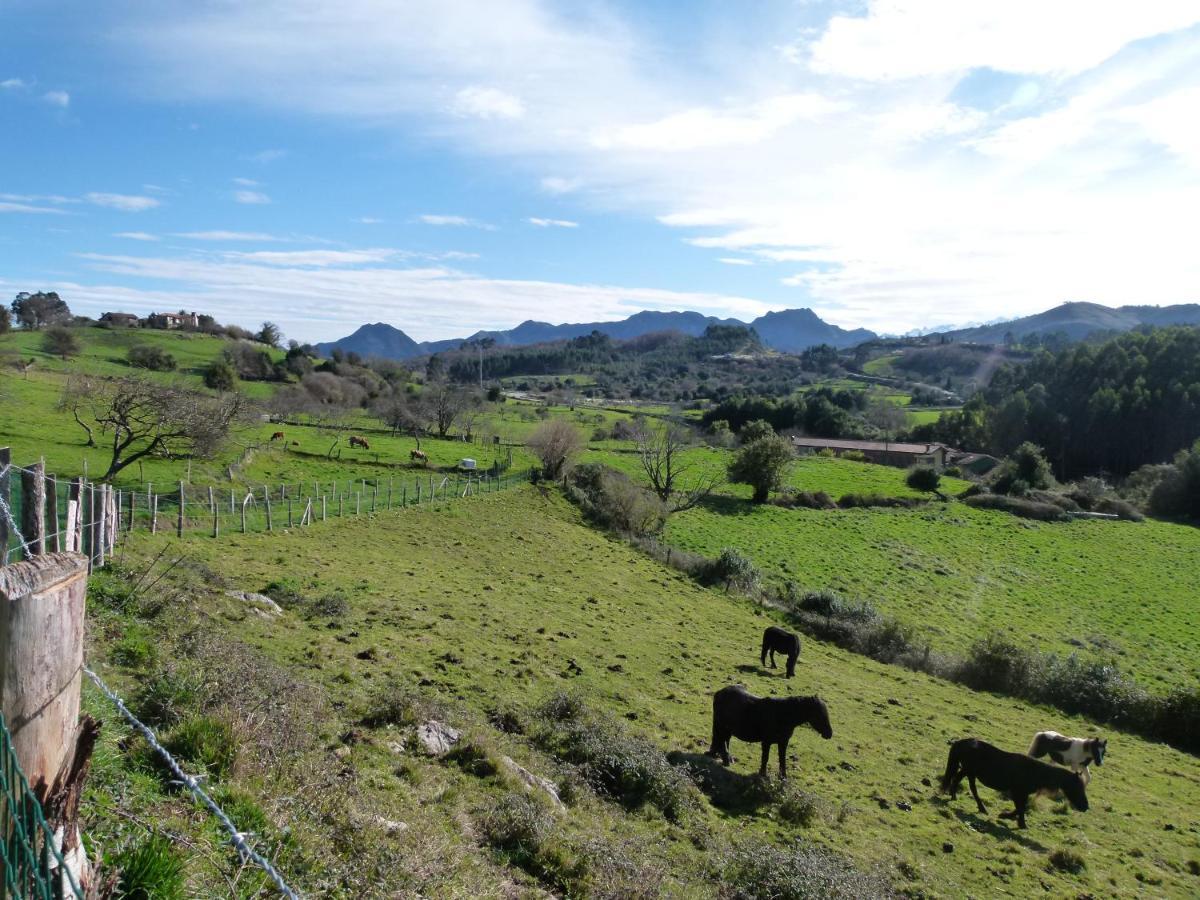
{"points": [[727, 790], [724, 505]]}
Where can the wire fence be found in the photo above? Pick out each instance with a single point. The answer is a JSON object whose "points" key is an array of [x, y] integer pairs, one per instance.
{"points": [[33, 864], [57, 513]]}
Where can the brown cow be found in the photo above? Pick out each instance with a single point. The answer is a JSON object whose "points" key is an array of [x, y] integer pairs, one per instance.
{"points": [[356, 441], [277, 436], [419, 456]]}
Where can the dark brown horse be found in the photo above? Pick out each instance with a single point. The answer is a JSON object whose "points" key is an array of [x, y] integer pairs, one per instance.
{"points": [[1015, 773], [777, 640], [766, 720]]}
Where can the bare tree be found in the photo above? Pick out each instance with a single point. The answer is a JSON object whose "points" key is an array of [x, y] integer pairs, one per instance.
{"points": [[401, 413], [663, 454], [143, 418], [76, 396], [442, 404], [556, 443], [888, 418]]}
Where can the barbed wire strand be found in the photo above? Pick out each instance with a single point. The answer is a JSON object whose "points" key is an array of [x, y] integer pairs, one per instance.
{"points": [[236, 838]]}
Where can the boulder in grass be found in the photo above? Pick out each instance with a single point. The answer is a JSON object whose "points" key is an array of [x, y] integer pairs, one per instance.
{"points": [[436, 738], [260, 604], [537, 782]]}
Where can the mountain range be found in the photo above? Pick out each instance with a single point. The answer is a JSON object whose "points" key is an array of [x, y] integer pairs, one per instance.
{"points": [[1079, 320], [791, 330]]}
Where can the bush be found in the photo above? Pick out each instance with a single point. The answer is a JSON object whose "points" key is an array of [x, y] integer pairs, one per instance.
{"points": [[852, 501], [612, 760], [556, 443], [855, 456], [396, 702], [1177, 493], [166, 696], [60, 341], [762, 464], [804, 500], [1122, 509], [999, 665], [1066, 860], [220, 376], [733, 569], [526, 835], [923, 478], [755, 871], [798, 806], [145, 356], [1026, 509], [204, 741], [612, 500], [833, 605], [1026, 469], [150, 870]]}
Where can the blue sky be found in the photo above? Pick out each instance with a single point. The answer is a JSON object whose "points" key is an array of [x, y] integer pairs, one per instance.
{"points": [[453, 166]]}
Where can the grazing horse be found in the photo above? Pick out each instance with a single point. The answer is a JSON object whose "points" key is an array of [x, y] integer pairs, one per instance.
{"points": [[766, 720], [418, 456], [356, 441], [1015, 773], [776, 640], [1074, 753], [277, 436]]}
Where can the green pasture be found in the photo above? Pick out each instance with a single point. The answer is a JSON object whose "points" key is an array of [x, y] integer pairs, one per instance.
{"points": [[1120, 589], [496, 603]]}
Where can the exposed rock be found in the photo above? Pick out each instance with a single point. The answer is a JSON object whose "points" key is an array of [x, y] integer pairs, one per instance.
{"points": [[260, 604], [436, 737], [395, 747], [533, 781], [391, 826]]}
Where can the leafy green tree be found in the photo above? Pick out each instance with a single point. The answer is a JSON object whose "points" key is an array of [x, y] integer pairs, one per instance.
{"points": [[269, 334], [762, 464], [1026, 469], [1178, 492], [923, 478], [220, 375], [756, 430], [34, 311], [62, 342], [5, 320]]}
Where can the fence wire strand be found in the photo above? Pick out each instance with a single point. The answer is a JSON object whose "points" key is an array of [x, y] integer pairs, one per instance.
{"points": [[236, 838]]}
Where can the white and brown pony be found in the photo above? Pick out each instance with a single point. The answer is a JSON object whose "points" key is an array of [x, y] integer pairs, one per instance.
{"points": [[1074, 753]]}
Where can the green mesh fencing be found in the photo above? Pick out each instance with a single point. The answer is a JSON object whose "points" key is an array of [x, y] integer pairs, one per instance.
{"points": [[33, 866]]}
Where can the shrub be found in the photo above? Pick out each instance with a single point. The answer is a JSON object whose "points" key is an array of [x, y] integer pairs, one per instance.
{"points": [[952, 472], [150, 870], [833, 605], [997, 664], [804, 500], [733, 569], [852, 501], [60, 341], [756, 430], [396, 702], [1066, 860], [612, 500], [1026, 469], [556, 443], [1177, 492], [204, 741], [762, 464], [526, 835], [145, 356], [612, 760], [855, 456], [923, 478], [798, 806], [1122, 509], [755, 871], [220, 376], [1027, 509], [166, 696]]}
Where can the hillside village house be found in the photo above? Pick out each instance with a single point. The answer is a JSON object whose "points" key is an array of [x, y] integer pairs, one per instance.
{"points": [[173, 320], [888, 453]]}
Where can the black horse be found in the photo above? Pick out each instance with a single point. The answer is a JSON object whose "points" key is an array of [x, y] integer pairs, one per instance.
{"points": [[776, 640], [766, 720], [1015, 773]]}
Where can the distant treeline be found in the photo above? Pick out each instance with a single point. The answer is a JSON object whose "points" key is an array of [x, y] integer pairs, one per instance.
{"points": [[669, 366], [823, 412], [1108, 407]]}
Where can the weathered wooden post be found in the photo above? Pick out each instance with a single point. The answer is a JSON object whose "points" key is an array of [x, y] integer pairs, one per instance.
{"points": [[357, 503], [75, 516], [289, 502], [132, 508], [212, 501], [182, 502], [55, 544], [244, 502], [154, 514], [322, 507], [101, 536], [41, 661], [33, 509]]}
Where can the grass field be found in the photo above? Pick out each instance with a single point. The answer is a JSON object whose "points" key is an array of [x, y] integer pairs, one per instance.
{"points": [[499, 602], [1124, 589]]}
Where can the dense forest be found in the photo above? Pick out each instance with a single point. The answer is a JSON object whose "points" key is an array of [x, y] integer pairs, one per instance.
{"points": [[726, 359], [1108, 407], [821, 412]]}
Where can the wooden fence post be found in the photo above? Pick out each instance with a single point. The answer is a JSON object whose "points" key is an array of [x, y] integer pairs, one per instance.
{"points": [[6, 499], [322, 507], [33, 509], [212, 501], [75, 516], [41, 658], [289, 501], [154, 514], [132, 508], [101, 536], [357, 503], [244, 502], [182, 504], [55, 544]]}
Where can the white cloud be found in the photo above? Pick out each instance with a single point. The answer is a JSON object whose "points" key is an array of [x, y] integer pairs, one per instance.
{"points": [[13, 84], [552, 223], [453, 221], [702, 128], [60, 99], [251, 198], [317, 302], [267, 156], [556, 184], [316, 258], [19, 207], [136, 235], [487, 103], [229, 236], [898, 39], [735, 261], [246, 182], [368, 220], [123, 202]]}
